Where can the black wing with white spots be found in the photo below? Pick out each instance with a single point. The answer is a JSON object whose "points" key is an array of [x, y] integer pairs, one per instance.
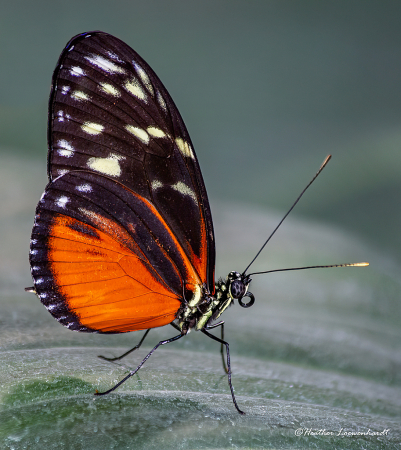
{"points": [[110, 114]]}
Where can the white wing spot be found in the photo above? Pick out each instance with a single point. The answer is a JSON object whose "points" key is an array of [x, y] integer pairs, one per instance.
{"points": [[79, 95], [162, 102], [61, 171], [62, 143], [156, 132], [65, 89], [66, 149], [110, 89], [114, 56], [62, 201], [144, 77], [39, 281], [139, 133], [108, 166], [43, 295], [104, 64], [60, 115], [65, 153], [34, 241], [185, 190], [77, 71], [156, 184], [184, 148], [33, 251], [84, 188], [51, 307], [92, 128], [135, 88]]}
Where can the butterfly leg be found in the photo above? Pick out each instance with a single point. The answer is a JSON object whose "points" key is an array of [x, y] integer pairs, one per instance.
{"points": [[228, 364], [133, 372], [220, 324], [128, 352]]}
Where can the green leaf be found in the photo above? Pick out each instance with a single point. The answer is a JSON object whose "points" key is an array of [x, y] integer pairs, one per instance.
{"points": [[318, 352]]}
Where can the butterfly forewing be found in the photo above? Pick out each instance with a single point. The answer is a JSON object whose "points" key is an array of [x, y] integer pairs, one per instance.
{"points": [[110, 114]]}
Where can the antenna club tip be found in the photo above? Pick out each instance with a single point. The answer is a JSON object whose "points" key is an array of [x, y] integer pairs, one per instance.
{"points": [[328, 157], [361, 264]]}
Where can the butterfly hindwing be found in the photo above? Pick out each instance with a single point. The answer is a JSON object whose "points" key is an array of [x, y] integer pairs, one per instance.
{"points": [[110, 114], [103, 258]]}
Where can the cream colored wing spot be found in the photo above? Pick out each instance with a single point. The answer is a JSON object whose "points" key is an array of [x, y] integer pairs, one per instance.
{"points": [[183, 189], [156, 184], [77, 71], [184, 148], [134, 88], [110, 89], [108, 166], [144, 77], [156, 132], [162, 102], [92, 128], [141, 134], [104, 64], [80, 96]]}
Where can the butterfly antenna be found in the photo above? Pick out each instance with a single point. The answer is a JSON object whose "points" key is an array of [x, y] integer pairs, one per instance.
{"points": [[360, 264], [292, 207]]}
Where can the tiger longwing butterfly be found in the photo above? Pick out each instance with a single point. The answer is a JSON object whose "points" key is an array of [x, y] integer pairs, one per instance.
{"points": [[123, 236]]}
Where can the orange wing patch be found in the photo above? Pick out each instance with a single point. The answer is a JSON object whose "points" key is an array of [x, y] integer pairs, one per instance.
{"points": [[106, 285]]}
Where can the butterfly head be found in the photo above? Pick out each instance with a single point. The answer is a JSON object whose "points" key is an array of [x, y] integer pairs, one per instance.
{"points": [[237, 285], [234, 287]]}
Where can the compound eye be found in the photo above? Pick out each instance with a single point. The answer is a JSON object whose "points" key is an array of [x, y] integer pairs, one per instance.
{"points": [[237, 288]]}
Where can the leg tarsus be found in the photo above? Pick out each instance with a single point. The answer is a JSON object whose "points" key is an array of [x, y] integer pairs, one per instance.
{"points": [[228, 364], [133, 372]]}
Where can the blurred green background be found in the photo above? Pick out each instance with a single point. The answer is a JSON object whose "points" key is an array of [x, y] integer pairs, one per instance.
{"points": [[267, 89]]}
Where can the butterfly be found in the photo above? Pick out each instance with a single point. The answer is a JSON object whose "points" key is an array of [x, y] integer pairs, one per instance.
{"points": [[123, 235]]}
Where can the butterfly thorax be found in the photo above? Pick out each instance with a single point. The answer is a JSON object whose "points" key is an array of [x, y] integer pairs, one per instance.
{"points": [[201, 312]]}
